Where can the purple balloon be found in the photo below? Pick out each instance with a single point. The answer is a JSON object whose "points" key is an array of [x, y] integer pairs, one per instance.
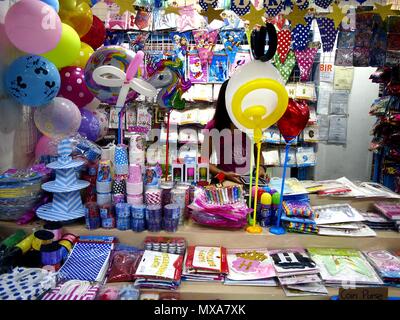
{"points": [[90, 126]]}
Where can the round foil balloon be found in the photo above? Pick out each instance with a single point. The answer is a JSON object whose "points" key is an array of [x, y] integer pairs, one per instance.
{"points": [[113, 56], [103, 120], [32, 80], [84, 55], [67, 49], [58, 119], [77, 14], [294, 120], [90, 126], [33, 26], [96, 35], [73, 86], [255, 96]]}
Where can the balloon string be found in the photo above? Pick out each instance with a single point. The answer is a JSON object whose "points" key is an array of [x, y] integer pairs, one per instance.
{"points": [[251, 170], [257, 174], [167, 147], [278, 220], [120, 128]]}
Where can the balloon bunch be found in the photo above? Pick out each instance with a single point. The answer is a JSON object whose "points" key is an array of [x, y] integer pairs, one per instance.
{"points": [[256, 98], [58, 38]]}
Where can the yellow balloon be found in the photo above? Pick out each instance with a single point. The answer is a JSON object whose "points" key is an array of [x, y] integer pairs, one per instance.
{"points": [[84, 55], [77, 14], [67, 50]]}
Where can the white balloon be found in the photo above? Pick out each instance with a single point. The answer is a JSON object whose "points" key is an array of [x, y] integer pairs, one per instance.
{"points": [[263, 97]]}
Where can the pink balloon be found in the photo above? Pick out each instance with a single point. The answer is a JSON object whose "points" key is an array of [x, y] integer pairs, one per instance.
{"points": [[33, 26], [73, 86], [45, 146]]}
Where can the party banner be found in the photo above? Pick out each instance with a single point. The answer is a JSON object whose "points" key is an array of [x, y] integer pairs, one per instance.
{"points": [[305, 60], [301, 35], [273, 7], [240, 7], [285, 69], [218, 71], [284, 42], [198, 73], [180, 41], [232, 41], [328, 33], [205, 41], [302, 4], [204, 4], [323, 3], [242, 57]]}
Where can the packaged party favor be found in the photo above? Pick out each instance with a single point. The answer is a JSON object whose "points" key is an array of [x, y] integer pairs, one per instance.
{"points": [[218, 70]]}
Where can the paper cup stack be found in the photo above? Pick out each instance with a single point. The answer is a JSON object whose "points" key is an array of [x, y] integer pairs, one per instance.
{"points": [[134, 185]]}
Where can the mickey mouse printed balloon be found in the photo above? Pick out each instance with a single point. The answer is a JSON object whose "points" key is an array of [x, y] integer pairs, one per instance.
{"points": [[32, 80]]}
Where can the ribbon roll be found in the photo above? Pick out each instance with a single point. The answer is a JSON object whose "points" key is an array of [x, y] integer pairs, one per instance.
{"points": [[259, 40]]}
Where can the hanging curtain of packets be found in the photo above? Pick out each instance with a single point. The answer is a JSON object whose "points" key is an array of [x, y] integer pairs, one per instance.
{"points": [[232, 41]]}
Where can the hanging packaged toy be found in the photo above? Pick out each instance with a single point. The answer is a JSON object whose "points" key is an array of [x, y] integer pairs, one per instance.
{"points": [[218, 71], [198, 73]]}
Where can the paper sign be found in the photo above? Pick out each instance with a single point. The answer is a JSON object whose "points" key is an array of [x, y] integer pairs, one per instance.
{"points": [[326, 72], [375, 293], [343, 78]]}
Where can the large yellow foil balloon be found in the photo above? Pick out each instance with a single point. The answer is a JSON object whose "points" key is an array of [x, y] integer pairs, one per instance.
{"points": [[84, 55], [67, 50], [77, 14]]}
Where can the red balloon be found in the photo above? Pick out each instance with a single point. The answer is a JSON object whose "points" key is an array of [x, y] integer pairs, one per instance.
{"points": [[294, 120], [96, 35]]}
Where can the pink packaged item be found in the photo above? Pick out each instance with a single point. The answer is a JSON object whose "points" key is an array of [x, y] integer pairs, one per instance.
{"points": [[73, 290], [135, 173]]}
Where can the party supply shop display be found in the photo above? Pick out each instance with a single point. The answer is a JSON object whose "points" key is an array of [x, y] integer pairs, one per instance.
{"points": [[97, 89]]}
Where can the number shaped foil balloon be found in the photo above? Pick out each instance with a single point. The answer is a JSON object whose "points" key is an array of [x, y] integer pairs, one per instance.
{"points": [[256, 98]]}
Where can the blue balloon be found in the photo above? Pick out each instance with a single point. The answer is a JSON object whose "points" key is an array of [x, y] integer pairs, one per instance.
{"points": [[32, 80], [53, 3]]}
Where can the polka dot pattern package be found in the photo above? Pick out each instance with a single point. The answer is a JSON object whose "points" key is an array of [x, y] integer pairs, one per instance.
{"points": [[26, 283]]}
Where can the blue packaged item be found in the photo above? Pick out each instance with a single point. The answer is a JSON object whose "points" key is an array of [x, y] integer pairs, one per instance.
{"points": [[138, 223]]}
